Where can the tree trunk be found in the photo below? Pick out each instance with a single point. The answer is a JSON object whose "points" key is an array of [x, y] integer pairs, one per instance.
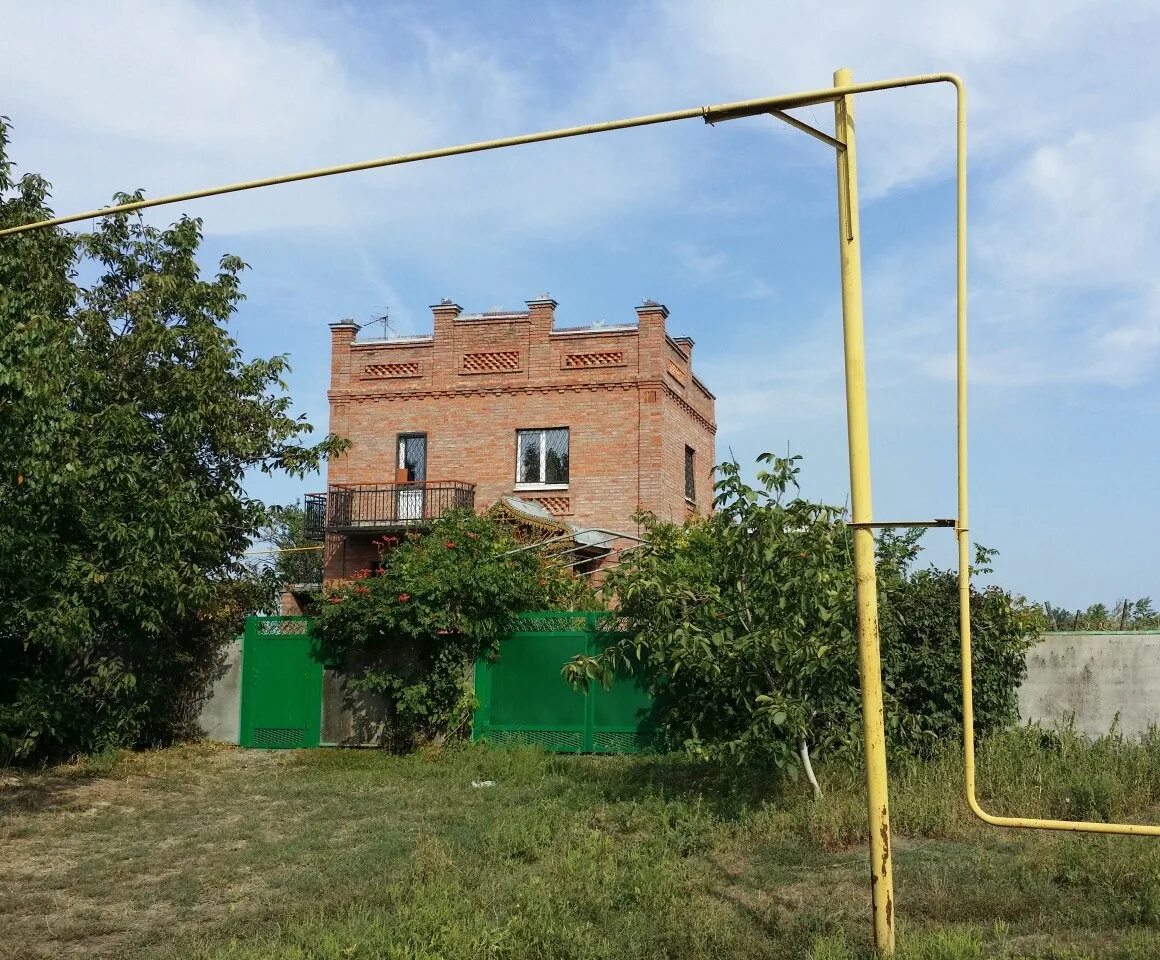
{"points": [[804, 753]]}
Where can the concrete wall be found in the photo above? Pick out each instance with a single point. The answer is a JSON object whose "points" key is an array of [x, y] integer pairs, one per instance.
{"points": [[221, 717], [1095, 676]]}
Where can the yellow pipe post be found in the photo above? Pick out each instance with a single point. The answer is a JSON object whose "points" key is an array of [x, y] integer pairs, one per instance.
{"points": [[858, 428]]}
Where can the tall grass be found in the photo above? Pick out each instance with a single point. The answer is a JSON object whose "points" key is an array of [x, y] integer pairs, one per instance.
{"points": [[1028, 771]]}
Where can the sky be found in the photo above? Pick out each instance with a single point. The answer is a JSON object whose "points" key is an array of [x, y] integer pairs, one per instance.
{"points": [[733, 226]]}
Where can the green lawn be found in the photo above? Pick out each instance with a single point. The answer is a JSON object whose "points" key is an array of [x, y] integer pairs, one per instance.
{"points": [[210, 852]]}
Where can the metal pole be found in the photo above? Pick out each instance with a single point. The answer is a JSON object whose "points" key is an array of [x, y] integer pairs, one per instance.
{"points": [[710, 114], [858, 428]]}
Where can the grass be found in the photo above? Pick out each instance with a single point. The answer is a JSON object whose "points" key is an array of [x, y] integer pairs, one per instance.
{"points": [[208, 852]]}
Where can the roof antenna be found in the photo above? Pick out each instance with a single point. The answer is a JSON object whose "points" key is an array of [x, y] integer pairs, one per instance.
{"points": [[385, 319]]}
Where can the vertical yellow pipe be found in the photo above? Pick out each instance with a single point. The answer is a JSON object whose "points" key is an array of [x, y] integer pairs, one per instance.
{"points": [[962, 528], [858, 428]]}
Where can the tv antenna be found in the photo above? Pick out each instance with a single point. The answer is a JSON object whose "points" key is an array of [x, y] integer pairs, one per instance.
{"points": [[383, 318]]}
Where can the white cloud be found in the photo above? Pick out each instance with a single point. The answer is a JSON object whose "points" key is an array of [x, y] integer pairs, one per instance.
{"points": [[181, 95], [1031, 67], [1067, 241]]}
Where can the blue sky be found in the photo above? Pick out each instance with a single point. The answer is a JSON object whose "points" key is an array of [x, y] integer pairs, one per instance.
{"points": [[732, 227]]}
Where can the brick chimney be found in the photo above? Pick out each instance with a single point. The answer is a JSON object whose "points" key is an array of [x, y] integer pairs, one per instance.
{"points": [[542, 312], [650, 322], [686, 344], [342, 334], [444, 362]]}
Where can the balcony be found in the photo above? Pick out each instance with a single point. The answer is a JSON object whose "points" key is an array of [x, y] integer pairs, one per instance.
{"points": [[376, 507]]}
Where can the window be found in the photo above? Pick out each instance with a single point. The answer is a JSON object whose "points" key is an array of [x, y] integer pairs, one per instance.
{"points": [[542, 457], [413, 455], [410, 502], [690, 475]]}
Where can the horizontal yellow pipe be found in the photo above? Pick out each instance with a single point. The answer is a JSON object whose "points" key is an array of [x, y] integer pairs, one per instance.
{"points": [[266, 553], [711, 114]]}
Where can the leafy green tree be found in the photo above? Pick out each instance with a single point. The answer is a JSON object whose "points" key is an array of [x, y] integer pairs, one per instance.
{"points": [[744, 621], [744, 627], [128, 421], [444, 597], [299, 560], [921, 658]]}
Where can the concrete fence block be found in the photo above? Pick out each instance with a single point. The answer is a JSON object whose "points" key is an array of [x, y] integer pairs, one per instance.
{"points": [[1095, 677]]}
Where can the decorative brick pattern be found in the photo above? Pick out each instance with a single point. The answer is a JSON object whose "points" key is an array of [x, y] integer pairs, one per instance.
{"points": [[500, 361], [390, 371], [676, 373], [585, 361], [556, 506]]}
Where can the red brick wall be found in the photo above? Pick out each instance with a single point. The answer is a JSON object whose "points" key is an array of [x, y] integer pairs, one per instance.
{"points": [[627, 395]]}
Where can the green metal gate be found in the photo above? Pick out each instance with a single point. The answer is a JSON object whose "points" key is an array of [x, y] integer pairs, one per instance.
{"points": [[524, 699], [281, 684]]}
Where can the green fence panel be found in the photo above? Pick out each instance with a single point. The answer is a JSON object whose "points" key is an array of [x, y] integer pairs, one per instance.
{"points": [[281, 684], [522, 697]]}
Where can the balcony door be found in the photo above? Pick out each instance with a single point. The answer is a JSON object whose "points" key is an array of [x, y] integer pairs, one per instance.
{"points": [[412, 466]]}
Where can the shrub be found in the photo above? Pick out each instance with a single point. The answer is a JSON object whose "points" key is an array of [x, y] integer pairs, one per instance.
{"points": [[444, 597], [745, 627]]}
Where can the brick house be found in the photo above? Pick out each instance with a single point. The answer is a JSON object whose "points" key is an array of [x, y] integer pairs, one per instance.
{"points": [[588, 424]]}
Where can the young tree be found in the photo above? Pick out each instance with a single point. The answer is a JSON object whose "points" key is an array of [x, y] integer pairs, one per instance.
{"points": [[744, 626], [128, 420]]}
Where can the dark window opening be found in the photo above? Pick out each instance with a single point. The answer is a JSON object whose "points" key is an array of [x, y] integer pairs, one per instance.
{"points": [[413, 456], [690, 475]]}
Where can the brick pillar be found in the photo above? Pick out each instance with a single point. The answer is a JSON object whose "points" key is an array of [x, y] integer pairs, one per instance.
{"points": [[650, 325], [445, 355], [653, 362], [542, 314], [342, 335]]}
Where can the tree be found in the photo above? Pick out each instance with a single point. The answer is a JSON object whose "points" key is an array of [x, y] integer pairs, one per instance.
{"points": [[128, 420], [299, 560], [445, 597], [744, 627]]}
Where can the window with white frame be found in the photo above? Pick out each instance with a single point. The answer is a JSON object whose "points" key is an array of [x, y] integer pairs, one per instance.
{"points": [[542, 457]]}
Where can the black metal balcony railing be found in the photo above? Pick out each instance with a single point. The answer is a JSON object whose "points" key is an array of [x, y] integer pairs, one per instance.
{"points": [[383, 506]]}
